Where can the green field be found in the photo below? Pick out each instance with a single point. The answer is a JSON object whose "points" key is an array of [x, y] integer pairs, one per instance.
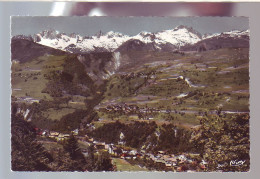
{"points": [[123, 165], [55, 114], [28, 78]]}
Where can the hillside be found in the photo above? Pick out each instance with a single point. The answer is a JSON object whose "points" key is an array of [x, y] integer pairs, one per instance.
{"points": [[224, 40], [184, 86], [157, 83], [23, 50], [145, 102]]}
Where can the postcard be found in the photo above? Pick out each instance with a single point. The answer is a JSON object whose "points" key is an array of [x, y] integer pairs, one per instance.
{"points": [[131, 94]]}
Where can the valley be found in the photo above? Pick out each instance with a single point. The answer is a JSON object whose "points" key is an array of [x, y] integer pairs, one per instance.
{"points": [[135, 109]]}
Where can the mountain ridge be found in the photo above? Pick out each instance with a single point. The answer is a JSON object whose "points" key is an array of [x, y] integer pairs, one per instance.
{"points": [[166, 40]]}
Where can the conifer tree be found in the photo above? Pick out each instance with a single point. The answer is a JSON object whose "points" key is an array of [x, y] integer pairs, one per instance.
{"points": [[27, 153], [72, 147]]}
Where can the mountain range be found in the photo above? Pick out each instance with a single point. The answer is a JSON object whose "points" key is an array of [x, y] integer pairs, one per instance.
{"points": [[179, 38]]}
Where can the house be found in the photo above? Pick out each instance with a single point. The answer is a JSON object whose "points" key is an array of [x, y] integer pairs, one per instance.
{"points": [[121, 143], [165, 157], [75, 132], [62, 137], [110, 149], [54, 134], [123, 155], [182, 158], [172, 159], [143, 152], [161, 152], [66, 135], [168, 164], [203, 164], [107, 146], [152, 157], [133, 152], [160, 161], [45, 133]]}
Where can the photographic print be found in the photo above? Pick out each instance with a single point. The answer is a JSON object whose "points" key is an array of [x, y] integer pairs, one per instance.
{"points": [[130, 94]]}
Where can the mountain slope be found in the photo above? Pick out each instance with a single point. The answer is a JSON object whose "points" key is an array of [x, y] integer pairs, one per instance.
{"points": [[24, 50], [232, 39], [166, 40]]}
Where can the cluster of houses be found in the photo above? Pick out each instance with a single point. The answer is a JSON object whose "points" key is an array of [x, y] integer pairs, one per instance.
{"points": [[129, 109], [55, 135], [139, 74], [177, 162], [124, 108], [116, 150]]}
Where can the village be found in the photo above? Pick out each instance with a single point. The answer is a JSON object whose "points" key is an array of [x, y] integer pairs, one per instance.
{"points": [[184, 162]]}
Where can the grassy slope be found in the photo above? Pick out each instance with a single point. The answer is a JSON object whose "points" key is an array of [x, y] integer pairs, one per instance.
{"points": [[123, 165], [220, 78], [23, 76], [28, 80]]}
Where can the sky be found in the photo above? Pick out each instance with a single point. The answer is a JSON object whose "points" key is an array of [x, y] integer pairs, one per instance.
{"points": [[88, 26]]}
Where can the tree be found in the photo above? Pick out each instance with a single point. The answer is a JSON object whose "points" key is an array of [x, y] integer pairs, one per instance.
{"points": [[27, 154], [225, 142], [63, 162], [103, 162], [71, 146], [90, 158]]}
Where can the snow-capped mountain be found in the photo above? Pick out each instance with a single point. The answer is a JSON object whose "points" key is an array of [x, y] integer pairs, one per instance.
{"points": [[233, 33], [76, 43], [169, 39], [231, 39], [179, 36], [176, 38], [110, 41]]}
